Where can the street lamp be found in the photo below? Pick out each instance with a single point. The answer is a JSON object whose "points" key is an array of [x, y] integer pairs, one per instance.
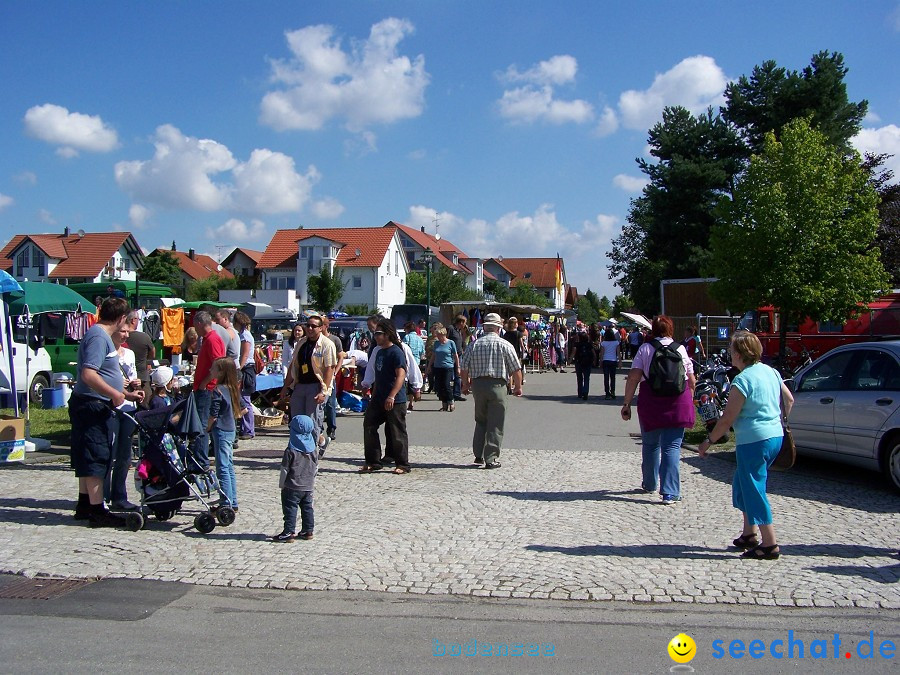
{"points": [[428, 256]]}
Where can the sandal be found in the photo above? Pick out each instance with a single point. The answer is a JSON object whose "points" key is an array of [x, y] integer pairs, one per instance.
{"points": [[400, 470], [763, 552], [452, 407], [746, 541], [369, 469]]}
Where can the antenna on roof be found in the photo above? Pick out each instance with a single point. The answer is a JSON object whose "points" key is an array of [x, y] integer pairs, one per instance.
{"points": [[437, 224]]}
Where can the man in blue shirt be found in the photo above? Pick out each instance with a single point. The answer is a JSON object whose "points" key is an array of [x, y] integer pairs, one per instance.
{"points": [[388, 403], [99, 389]]}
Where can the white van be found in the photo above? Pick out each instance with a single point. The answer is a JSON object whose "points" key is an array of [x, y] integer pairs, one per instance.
{"points": [[40, 371]]}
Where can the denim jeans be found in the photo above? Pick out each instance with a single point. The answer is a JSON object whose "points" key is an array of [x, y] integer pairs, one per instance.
{"points": [[583, 379], [661, 449], [200, 447], [248, 423], [609, 377], [224, 444], [290, 500], [331, 410], [114, 485]]}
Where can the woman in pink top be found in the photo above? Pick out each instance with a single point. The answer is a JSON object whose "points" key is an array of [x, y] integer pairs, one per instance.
{"points": [[663, 419]]}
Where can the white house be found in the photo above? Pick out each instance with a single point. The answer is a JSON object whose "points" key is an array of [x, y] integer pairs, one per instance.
{"points": [[446, 253], [93, 257], [370, 260]]}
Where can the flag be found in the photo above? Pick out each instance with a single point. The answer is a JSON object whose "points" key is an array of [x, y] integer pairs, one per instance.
{"points": [[559, 282]]}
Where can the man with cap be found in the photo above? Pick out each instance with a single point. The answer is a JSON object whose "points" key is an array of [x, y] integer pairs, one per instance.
{"points": [[299, 467], [487, 365]]}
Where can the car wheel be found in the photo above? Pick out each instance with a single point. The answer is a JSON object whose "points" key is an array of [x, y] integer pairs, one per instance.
{"points": [[890, 461], [36, 393]]}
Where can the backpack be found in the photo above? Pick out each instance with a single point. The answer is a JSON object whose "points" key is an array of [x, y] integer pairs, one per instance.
{"points": [[667, 375]]}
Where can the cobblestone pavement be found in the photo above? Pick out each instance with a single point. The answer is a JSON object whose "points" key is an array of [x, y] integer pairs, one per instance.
{"points": [[562, 524]]}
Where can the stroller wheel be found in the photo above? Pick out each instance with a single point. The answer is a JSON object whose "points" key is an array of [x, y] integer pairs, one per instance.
{"points": [[225, 515], [134, 521], [205, 523], [164, 515]]}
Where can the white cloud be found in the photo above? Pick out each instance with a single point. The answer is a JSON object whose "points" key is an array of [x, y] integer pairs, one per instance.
{"points": [[514, 235], [46, 217], [327, 209], [629, 183], [417, 155], [883, 140], [237, 230], [536, 101], [608, 122], [560, 69], [139, 216], [268, 183], [26, 178], [370, 84], [695, 83], [183, 168], [871, 117], [6, 200], [71, 131]]}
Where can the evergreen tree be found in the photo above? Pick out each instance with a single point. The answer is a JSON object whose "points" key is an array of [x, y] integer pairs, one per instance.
{"points": [[162, 267]]}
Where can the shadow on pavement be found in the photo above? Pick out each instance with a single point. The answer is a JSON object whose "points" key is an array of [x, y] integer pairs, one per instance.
{"points": [[639, 496], [799, 484], [881, 575]]}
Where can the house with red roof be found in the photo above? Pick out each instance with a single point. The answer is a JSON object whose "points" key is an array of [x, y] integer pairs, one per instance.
{"points": [[91, 257], [370, 259], [446, 253], [547, 275], [194, 266], [242, 262]]}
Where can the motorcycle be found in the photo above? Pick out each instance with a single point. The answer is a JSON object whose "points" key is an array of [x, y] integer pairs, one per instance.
{"points": [[711, 392]]}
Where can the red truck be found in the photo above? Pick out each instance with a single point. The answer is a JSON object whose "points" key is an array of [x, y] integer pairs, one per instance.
{"points": [[879, 321]]}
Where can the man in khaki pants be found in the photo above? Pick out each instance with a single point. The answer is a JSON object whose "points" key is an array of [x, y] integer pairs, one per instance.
{"points": [[487, 365]]}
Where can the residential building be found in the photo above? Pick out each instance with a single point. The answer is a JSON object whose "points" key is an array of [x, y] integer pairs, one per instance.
{"points": [[370, 260], [83, 257], [542, 274], [499, 271], [446, 253], [194, 266], [241, 262]]}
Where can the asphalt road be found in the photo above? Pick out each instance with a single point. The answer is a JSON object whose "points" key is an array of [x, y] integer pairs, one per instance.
{"points": [[117, 624]]}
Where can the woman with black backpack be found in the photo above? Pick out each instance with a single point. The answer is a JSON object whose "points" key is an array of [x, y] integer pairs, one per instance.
{"points": [[665, 407]]}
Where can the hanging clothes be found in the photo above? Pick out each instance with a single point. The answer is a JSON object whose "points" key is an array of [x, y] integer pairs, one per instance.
{"points": [[77, 324], [172, 326], [152, 325]]}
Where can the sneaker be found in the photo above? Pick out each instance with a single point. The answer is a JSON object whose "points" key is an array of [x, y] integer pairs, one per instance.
{"points": [[668, 500], [124, 506], [492, 465], [459, 398], [305, 536], [478, 461], [284, 537], [324, 446], [332, 434], [105, 519]]}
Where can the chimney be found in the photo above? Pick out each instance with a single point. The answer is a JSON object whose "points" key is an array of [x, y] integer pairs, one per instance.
{"points": [[191, 253], [173, 245], [66, 231], [423, 229]]}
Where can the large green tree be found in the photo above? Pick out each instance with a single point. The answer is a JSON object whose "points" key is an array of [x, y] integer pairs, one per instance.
{"points": [[696, 161], [798, 234], [445, 286], [325, 289], [524, 293], [888, 239], [208, 288], [163, 268], [773, 96]]}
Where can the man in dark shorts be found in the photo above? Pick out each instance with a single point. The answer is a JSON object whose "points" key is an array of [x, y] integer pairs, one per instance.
{"points": [[98, 390]]}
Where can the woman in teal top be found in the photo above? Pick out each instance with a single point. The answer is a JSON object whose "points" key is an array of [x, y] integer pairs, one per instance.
{"points": [[754, 410], [443, 364]]}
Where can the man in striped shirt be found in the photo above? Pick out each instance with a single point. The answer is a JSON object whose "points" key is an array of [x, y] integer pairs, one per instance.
{"points": [[486, 368]]}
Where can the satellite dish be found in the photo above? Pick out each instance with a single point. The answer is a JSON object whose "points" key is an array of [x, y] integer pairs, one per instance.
{"points": [[499, 258], [80, 233], [358, 253], [437, 237]]}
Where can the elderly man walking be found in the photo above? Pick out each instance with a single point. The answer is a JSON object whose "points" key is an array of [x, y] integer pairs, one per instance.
{"points": [[487, 366]]}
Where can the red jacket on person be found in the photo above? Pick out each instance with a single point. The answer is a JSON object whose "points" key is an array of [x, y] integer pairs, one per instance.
{"points": [[212, 348]]}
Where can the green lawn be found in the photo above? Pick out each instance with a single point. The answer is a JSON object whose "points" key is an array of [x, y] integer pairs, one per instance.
{"points": [[52, 425]]}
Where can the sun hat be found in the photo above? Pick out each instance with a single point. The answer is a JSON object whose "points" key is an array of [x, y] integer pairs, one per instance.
{"points": [[493, 319], [302, 434], [162, 376]]}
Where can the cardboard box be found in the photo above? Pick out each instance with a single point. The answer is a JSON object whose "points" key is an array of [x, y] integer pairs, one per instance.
{"points": [[12, 451], [12, 429]]}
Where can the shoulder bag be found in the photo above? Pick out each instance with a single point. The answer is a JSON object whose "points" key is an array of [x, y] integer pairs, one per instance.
{"points": [[788, 453]]}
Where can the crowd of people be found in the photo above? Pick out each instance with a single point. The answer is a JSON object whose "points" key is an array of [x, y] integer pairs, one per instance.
{"points": [[487, 363]]}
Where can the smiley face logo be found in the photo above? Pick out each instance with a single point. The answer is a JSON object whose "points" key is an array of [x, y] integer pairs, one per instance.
{"points": [[682, 648]]}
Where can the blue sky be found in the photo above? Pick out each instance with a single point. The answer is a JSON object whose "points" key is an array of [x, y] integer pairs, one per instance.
{"points": [[515, 124]]}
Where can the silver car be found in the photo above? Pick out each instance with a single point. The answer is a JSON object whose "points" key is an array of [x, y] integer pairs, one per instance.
{"points": [[847, 407]]}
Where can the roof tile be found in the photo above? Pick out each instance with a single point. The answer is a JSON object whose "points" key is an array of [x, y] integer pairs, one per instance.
{"points": [[372, 243]]}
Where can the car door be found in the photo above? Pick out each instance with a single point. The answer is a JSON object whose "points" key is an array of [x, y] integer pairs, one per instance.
{"points": [[812, 417], [870, 397]]}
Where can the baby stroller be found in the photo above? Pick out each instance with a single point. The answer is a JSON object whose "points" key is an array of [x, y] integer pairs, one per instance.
{"points": [[169, 474]]}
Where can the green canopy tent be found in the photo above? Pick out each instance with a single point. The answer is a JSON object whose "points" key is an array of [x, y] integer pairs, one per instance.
{"points": [[38, 298]]}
